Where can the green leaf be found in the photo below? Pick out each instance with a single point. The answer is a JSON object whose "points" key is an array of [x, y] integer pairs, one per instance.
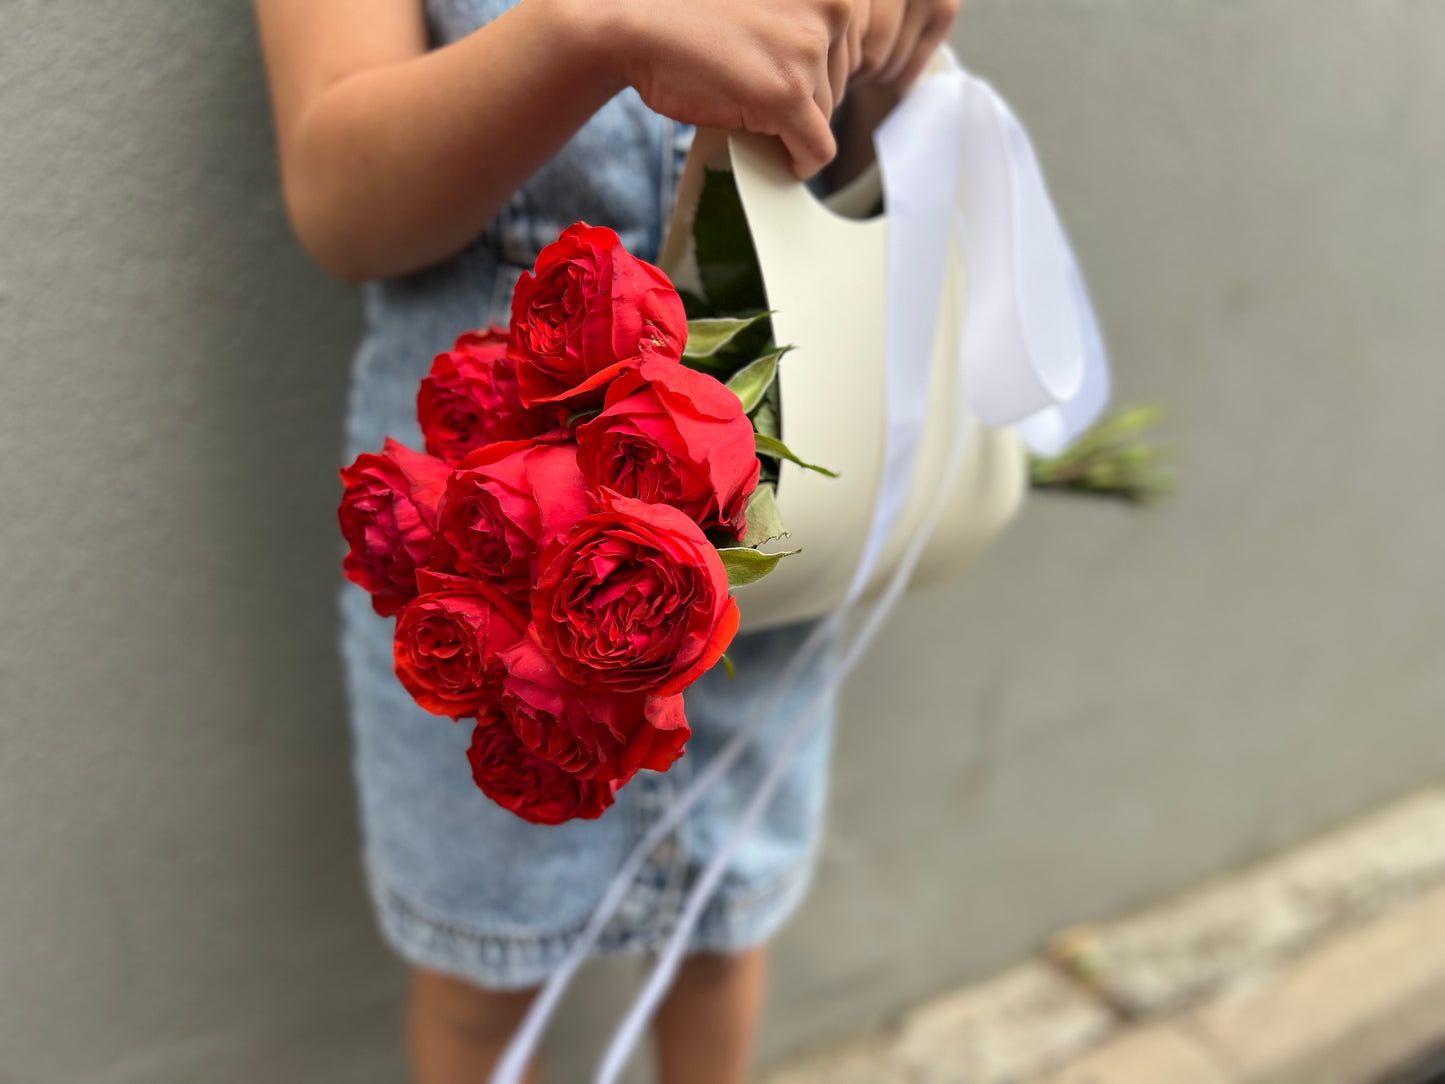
{"points": [[707, 336], [766, 414], [731, 669], [745, 566], [582, 415], [776, 449], [752, 381], [766, 419], [1124, 425], [764, 523], [727, 263]]}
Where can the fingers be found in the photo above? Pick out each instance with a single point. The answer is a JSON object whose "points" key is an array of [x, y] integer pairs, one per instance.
{"points": [[797, 102], [829, 86], [915, 18], [857, 26], [839, 68], [934, 35], [926, 24], [840, 61], [823, 95], [809, 140], [885, 19]]}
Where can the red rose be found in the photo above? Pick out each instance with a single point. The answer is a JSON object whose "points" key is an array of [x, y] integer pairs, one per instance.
{"points": [[503, 504], [585, 311], [593, 735], [535, 790], [470, 398], [673, 436], [447, 645], [634, 599], [388, 517]]}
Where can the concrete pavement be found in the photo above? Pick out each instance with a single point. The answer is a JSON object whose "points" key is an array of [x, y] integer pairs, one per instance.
{"points": [[1325, 965]]}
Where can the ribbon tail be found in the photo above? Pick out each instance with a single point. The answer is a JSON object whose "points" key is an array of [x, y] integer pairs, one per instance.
{"points": [[1031, 342], [1051, 431]]}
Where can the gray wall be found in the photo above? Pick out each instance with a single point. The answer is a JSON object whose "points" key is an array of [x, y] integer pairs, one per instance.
{"points": [[1111, 705]]}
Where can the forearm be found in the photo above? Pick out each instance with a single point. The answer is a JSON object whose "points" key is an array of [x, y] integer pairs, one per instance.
{"points": [[398, 166]]}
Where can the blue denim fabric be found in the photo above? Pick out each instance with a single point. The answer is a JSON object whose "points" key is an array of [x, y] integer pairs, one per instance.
{"points": [[461, 885]]}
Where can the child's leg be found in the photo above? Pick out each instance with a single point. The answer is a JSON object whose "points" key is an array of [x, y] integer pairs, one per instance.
{"points": [[706, 1027], [457, 1031]]}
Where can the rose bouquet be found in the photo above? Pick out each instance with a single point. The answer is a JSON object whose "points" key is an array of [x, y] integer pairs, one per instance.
{"points": [[559, 560]]}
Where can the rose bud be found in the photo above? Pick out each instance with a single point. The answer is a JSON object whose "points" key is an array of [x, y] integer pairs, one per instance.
{"points": [[388, 517], [518, 780], [593, 735], [470, 398], [583, 314], [448, 644], [504, 503], [633, 599], [670, 435]]}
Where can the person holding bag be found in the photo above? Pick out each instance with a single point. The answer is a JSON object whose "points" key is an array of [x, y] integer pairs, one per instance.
{"points": [[431, 149]]}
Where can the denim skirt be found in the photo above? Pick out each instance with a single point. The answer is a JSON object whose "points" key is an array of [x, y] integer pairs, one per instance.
{"points": [[464, 887], [461, 885]]}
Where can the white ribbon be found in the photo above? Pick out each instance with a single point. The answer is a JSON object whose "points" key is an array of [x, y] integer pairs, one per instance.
{"points": [[953, 158], [1053, 429], [1033, 356]]}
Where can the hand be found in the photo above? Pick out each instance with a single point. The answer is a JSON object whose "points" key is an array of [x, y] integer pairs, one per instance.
{"points": [[772, 66], [898, 37]]}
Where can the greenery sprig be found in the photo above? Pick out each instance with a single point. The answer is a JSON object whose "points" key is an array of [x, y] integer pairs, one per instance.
{"points": [[1112, 460]]}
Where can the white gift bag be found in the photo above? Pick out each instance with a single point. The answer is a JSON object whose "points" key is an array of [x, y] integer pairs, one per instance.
{"points": [[825, 270]]}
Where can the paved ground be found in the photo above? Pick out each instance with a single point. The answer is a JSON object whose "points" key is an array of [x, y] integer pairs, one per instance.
{"points": [[1325, 965]]}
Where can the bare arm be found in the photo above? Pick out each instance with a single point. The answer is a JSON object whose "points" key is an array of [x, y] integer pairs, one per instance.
{"points": [[394, 157]]}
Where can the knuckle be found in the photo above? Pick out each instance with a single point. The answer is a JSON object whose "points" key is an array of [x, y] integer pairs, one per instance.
{"points": [[787, 87], [798, 84]]}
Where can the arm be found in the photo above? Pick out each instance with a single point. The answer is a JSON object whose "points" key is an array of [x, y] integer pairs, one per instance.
{"points": [[394, 157]]}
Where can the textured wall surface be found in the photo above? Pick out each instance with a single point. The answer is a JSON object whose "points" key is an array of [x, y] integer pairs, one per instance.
{"points": [[1111, 705]]}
